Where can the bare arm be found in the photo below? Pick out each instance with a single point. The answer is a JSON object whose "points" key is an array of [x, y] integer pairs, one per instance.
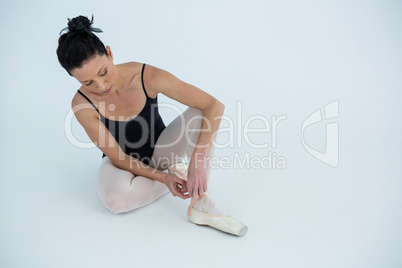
{"points": [[101, 137], [160, 81]]}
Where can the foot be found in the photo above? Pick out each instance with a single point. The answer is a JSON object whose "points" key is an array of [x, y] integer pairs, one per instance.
{"points": [[207, 205], [202, 215], [204, 211], [180, 170]]}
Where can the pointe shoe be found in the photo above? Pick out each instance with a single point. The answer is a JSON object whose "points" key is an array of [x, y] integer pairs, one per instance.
{"points": [[223, 223], [226, 223]]}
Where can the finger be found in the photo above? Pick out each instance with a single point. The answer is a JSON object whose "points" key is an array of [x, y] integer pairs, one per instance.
{"points": [[195, 191], [190, 191], [184, 196], [177, 179], [201, 189], [183, 188], [205, 186], [179, 185], [181, 195]]}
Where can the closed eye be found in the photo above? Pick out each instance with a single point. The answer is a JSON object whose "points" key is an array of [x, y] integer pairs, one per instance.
{"points": [[100, 75]]}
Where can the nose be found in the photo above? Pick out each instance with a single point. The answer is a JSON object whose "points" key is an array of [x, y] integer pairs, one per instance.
{"points": [[103, 85]]}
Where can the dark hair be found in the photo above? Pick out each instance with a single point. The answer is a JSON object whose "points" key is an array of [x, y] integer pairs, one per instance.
{"points": [[79, 44]]}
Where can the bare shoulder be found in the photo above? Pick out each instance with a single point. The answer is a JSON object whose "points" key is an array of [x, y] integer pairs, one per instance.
{"points": [[88, 117], [150, 76], [82, 109], [77, 99], [134, 69]]}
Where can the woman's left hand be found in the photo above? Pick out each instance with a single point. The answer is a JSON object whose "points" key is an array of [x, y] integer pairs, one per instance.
{"points": [[176, 185], [196, 179]]}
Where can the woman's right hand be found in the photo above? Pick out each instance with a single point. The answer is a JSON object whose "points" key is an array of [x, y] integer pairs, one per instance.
{"points": [[177, 186]]}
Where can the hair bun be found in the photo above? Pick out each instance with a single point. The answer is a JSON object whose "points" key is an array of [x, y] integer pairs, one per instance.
{"points": [[78, 24], [81, 24]]}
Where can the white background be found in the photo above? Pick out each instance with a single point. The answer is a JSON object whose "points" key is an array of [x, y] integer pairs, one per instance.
{"points": [[276, 58]]}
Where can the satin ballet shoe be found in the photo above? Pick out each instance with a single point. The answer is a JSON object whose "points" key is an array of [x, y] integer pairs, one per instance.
{"points": [[224, 223]]}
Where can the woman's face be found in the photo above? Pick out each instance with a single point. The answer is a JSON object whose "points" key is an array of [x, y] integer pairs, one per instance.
{"points": [[98, 75]]}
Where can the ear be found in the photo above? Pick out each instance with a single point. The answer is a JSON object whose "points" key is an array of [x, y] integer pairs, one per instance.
{"points": [[109, 52]]}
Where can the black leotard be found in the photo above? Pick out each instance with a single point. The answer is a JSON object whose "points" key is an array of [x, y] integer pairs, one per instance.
{"points": [[144, 129]]}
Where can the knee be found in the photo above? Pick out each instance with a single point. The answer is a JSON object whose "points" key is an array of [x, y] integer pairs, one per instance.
{"points": [[194, 120], [115, 202], [195, 114]]}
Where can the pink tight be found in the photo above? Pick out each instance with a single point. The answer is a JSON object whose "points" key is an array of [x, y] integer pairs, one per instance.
{"points": [[121, 191]]}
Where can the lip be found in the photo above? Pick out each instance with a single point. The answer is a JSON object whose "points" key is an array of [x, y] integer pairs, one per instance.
{"points": [[107, 91]]}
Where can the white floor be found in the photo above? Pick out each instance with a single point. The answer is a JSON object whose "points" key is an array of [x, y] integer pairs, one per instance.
{"points": [[299, 217], [278, 59]]}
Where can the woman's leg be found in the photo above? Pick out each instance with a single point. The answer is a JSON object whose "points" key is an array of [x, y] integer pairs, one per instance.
{"points": [[177, 141], [121, 191]]}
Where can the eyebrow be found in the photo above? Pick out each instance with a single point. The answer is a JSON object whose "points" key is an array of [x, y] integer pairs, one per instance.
{"points": [[97, 73]]}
